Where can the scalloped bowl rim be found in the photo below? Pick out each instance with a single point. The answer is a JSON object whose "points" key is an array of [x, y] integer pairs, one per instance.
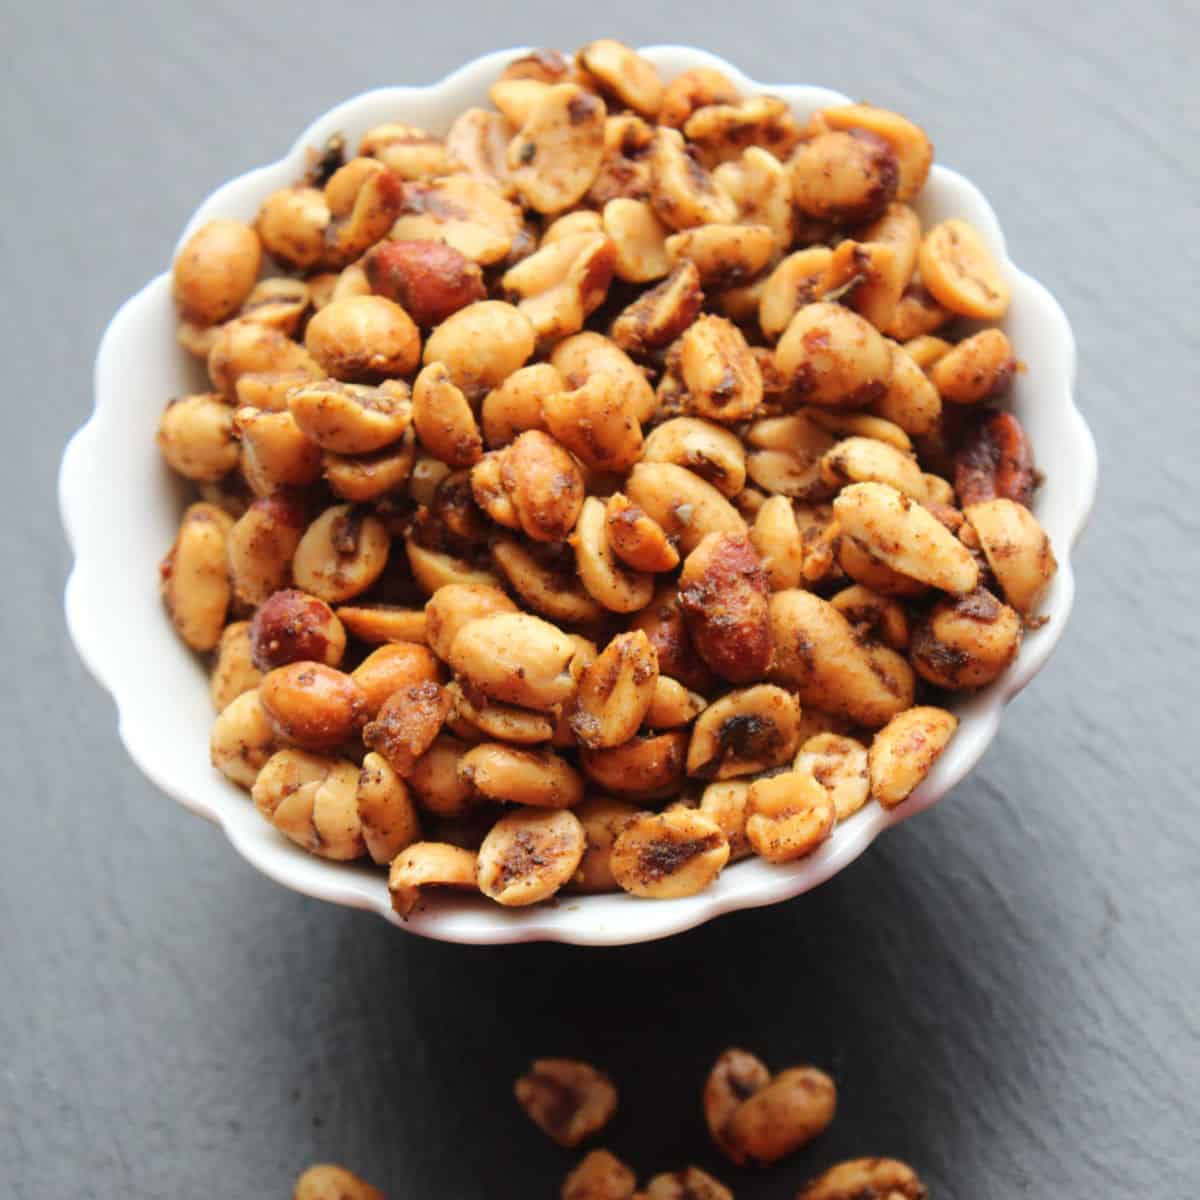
{"points": [[96, 627]]}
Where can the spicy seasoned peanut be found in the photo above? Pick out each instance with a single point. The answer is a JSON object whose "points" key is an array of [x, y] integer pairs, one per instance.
{"points": [[689, 1184], [325, 1181], [862, 1177], [778, 1118], [599, 1176], [623, 446], [567, 1099]]}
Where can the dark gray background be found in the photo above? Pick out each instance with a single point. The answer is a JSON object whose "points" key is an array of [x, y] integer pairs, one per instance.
{"points": [[1006, 988]]}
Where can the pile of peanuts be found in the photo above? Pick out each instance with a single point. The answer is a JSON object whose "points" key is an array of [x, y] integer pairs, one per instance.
{"points": [[600, 493], [754, 1118]]}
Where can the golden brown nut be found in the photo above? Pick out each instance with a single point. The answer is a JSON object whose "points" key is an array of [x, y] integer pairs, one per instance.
{"points": [[727, 803], [911, 401], [615, 692], [734, 1078], [839, 765], [745, 731], [602, 818], [694, 89], [276, 452], [516, 405], [662, 622], [528, 855], [819, 656], [785, 458], [407, 724], [776, 539], [378, 623], [349, 418], [429, 280], [722, 377], [292, 626], [844, 178], [363, 477], [687, 507], [904, 750], [682, 191], [799, 280], [623, 74], [599, 1176], [389, 668], [546, 581], [435, 780], [234, 671], [906, 536], [908, 142], [567, 1099], [481, 345], [467, 213], [428, 864], [646, 767], [597, 422], [636, 540], [966, 641], [723, 593], [860, 1177], [556, 154], [978, 367], [195, 576], [558, 286], [869, 459], [444, 421], [638, 238], [515, 657], [544, 486], [363, 339], [311, 799], [959, 271], [291, 224], [312, 705], [537, 778], [658, 316], [406, 150], [242, 739], [874, 616], [195, 437], [795, 1107], [689, 1184], [328, 1182], [726, 255], [215, 270], [878, 263], [719, 133], [790, 815], [578, 358], [663, 856], [831, 356], [501, 722], [606, 580], [341, 554], [1017, 550]]}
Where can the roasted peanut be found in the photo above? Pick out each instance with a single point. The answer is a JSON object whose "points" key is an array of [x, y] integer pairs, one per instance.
{"points": [[905, 536], [722, 377], [597, 422], [586, 354], [350, 418], [734, 1078], [363, 339], [599, 1176], [529, 855], [863, 1177], [867, 459], [444, 421], [428, 864], [911, 401], [606, 580], [406, 151], [776, 539], [291, 626], [694, 89], [635, 539], [546, 581], [818, 655], [363, 477], [646, 767], [312, 705], [516, 405], [341, 554], [638, 238], [215, 271], [663, 856], [468, 214], [672, 705], [723, 593], [882, 255], [435, 780], [234, 671], [502, 722], [689, 1184], [725, 255], [481, 345], [328, 1182], [378, 623], [560, 285], [708, 449], [245, 347], [777, 1119], [839, 765], [917, 314], [195, 576], [291, 225], [658, 316], [515, 657], [908, 142], [831, 356], [556, 154], [844, 178], [682, 191], [743, 732], [686, 506], [433, 569], [537, 778], [1017, 550], [389, 668], [602, 819], [242, 739], [720, 132], [785, 458], [566, 1099], [622, 73], [662, 622], [726, 803], [904, 750], [993, 460], [407, 723], [195, 437], [978, 367], [615, 692], [966, 641], [477, 143], [311, 800], [790, 815], [960, 273], [873, 616], [429, 280], [276, 453], [797, 281]]}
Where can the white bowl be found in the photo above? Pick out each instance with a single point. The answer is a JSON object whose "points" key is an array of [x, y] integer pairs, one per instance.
{"points": [[120, 508]]}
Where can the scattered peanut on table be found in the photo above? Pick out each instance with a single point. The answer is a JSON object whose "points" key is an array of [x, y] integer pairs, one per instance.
{"points": [[610, 487]]}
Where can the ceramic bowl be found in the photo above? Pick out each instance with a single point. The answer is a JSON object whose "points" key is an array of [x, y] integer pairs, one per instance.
{"points": [[120, 507]]}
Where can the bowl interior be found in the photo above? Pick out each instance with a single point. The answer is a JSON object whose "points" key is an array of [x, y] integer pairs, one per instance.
{"points": [[121, 508]]}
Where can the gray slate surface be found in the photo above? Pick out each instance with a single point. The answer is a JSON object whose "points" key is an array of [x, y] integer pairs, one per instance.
{"points": [[1006, 988]]}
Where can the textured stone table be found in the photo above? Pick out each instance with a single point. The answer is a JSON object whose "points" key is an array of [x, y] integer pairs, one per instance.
{"points": [[1007, 989]]}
